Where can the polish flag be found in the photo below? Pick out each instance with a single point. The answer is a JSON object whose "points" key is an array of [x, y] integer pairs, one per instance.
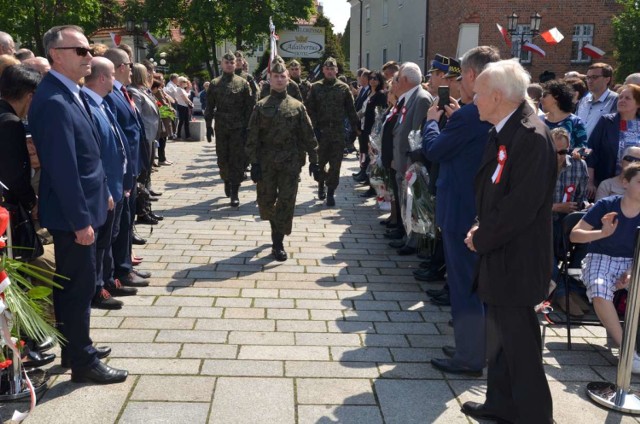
{"points": [[553, 36], [505, 35], [116, 38], [530, 47], [273, 43], [593, 51], [153, 40]]}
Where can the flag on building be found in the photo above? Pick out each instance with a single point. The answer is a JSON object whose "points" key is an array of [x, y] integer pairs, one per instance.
{"points": [[530, 47], [153, 40], [273, 45], [505, 35], [553, 36], [116, 38], [593, 51]]}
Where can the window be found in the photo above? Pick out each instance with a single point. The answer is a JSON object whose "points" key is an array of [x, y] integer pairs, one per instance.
{"points": [[468, 38], [582, 35], [261, 48], [367, 19], [421, 46], [367, 62], [384, 55], [399, 52], [522, 35], [385, 12]]}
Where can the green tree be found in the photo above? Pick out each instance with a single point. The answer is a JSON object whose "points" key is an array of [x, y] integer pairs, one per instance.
{"points": [[332, 47], [626, 27], [345, 40]]}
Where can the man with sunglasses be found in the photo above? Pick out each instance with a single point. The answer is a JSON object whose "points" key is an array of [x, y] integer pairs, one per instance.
{"points": [[73, 195], [599, 100]]}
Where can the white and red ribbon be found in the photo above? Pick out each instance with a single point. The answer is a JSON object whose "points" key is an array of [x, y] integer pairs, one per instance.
{"points": [[569, 191], [404, 113], [502, 159]]}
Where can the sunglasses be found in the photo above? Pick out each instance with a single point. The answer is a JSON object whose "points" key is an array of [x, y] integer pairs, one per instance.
{"points": [[630, 158], [80, 51], [129, 64], [594, 77], [563, 152]]}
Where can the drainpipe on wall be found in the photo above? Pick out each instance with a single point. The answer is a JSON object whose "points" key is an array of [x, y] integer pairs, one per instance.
{"points": [[426, 37], [360, 39]]}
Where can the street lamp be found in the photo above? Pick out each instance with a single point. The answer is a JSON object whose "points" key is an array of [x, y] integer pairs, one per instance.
{"points": [[163, 62], [534, 25], [137, 30]]}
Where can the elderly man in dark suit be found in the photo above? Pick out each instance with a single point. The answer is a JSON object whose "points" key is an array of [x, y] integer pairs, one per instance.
{"points": [[458, 149], [73, 195], [514, 193], [412, 106]]}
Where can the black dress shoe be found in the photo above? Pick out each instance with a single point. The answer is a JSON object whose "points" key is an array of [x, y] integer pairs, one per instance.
{"points": [[132, 280], [100, 374], [480, 412], [394, 235], [385, 222], [407, 250], [441, 301], [425, 264], [101, 353], [360, 178], [429, 275], [156, 217], [35, 359], [438, 292], [117, 289], [153, 199], [369, 193], [142, 274], [446, 365], [45, 344], [450, 351], [138, 240], [103, 300], [279, 254], [155, 193], [146, 219], [396, 244], [357, 174]]}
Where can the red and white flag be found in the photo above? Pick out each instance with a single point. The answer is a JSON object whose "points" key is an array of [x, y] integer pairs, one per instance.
{"points": [[153, 40], [505, 35], [593, 51], [530, 47], [116, 38], [553, 36], [273, 45]]}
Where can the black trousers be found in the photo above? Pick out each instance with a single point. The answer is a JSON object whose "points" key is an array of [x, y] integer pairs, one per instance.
{"points": [[162, 144], [107, 260], [396, 198], [122, 244], [183, 120], [72, 304], [103, 243], [517, 388]]}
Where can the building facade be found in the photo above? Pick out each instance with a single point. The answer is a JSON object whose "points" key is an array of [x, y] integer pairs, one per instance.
{"points": [[451, 28]]}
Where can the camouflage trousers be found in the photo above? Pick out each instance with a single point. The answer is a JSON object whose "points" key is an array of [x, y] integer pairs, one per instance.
{"points": [[232, 159], [330, 151], [277, 193]]}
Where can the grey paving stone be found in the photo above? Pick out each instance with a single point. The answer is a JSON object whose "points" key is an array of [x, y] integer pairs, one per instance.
{"points": [[144, 350], [146, 311], [159, 323], [242, 313], [294, 353], [261, 338], [233, 302], [405, 328], [303, 326], [209, 351], [412, 371], [253, 400], [106, 322], [192, 336], [222, 367], [287, 314], [345, 414], [157, 366], [361, 327], [164, 412], [374, 305], [331, 369], [236, 324], [200, 312], [184, 300], [308, 294], [327, 339], [273, 303], [336, 391], [174, 388], [118, 335], [362, 354]]}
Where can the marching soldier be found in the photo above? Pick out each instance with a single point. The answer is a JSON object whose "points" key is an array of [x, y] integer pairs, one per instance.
{"points": [[295, 70], [329, 103], [280, 134], [229, 100], [240, 62]]}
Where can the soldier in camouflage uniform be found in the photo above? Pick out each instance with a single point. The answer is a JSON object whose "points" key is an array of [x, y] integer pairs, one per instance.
{"points": [[330, 102], [280, 132], [229, 100], [295, 70], [292, 89], [240, 61]]}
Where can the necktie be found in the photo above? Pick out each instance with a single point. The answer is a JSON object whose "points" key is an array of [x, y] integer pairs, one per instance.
{"points": [[114, 127], [126, 96], [84, 102]]}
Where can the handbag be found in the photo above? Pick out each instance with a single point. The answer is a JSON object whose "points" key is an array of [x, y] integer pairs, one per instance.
{"points": [[25, 242], [620, 301]]}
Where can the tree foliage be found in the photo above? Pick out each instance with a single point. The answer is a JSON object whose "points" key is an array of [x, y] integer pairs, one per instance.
{"points": [[345, 41], [626, 27]]}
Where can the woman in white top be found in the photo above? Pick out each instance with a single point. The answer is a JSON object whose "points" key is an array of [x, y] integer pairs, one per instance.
{"points": [[183, 104]]}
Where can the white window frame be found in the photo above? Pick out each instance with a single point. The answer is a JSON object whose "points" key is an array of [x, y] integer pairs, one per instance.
{"points": [[421, 46], [517, 40], [582, 35], [367, 19], [385, 12]]}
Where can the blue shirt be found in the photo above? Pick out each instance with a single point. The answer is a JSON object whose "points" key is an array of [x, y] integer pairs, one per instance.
{"points": [[590, 110], [620, 244], [574, 126]]}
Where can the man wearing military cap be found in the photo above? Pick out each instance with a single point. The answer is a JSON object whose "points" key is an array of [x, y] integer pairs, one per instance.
{"points": [[439, 68], [292, 87], [229, 100], [295, 71], [280, 134], [452, 75], [240, 62], [330, 102]]}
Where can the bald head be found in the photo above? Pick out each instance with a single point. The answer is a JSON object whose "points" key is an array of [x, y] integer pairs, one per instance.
{"points": [[7, 46], [102, 75], [39, 64]]}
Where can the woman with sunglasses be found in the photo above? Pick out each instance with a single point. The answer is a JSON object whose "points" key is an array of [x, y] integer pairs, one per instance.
{"points": [[612, 135], [613, 186]]}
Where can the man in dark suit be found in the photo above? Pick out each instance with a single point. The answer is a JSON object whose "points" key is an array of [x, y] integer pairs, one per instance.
{"points": [[73, 195], [114, 161], [458, 149], [514, 193], [128, 119]]}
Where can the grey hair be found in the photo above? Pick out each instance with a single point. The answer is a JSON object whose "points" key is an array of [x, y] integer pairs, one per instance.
{"points": [[412, 71], [632, 79], [5, 39], [117, 56], [508, 77], [478, 57], [561, 132], [52, 37]]}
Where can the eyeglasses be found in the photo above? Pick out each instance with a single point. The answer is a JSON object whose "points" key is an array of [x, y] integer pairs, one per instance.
{"points": [[562, 152], [630, 158], [80, 51], [594, 77], [129, 64]]}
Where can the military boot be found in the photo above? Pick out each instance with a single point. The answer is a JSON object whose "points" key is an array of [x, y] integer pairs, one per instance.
{"points": [[278, 246], [330, 200], [235, 202], [321, 193], [227, 188]]}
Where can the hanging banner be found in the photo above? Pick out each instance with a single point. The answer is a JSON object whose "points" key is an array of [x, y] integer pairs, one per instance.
{"points": [[306, 42]]}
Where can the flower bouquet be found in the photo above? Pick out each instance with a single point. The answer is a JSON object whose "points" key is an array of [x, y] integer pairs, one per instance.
{"points": [[166, 112], [417, 204]]}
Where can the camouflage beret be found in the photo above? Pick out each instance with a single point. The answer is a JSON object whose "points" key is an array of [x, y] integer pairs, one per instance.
{"points": [[278, 67], [330, 62], [278, 59], [294, 63], [229, 56], [239, 54]]}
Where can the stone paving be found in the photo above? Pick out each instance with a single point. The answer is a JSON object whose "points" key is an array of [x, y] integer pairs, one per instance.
{"points": [[339, 333]]}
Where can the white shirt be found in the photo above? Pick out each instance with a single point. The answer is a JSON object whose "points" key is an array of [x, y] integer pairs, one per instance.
{"points": [[409, 93], [504, 120]]}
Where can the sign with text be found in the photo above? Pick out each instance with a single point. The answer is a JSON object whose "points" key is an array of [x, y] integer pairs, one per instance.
{"points": [[305, 42]]}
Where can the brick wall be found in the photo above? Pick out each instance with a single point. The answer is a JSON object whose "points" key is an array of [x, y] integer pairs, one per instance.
{"points": [[445, 17]]}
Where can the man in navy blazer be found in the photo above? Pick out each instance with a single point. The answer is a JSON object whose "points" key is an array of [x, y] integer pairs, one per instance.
{"points": [[458, 149], [73, 199], [127, 116], [114, 160]]}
